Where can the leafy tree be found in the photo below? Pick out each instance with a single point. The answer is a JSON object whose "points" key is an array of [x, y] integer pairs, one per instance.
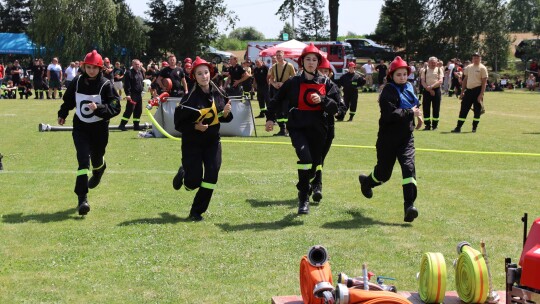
{"points": [[15, 15], [246, 33], [496, 40], [70, 29], [287, 28], [129, 39], [313, 21], [522, 14], [289, 8], [182, 27]]}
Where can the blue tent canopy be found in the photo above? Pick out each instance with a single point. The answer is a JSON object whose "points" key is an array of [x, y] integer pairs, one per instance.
{"points": [[16, 43]]}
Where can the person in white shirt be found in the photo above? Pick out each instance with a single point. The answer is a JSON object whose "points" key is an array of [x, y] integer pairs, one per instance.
{"points": [[54, 75], [368, 69], [70, 72]]}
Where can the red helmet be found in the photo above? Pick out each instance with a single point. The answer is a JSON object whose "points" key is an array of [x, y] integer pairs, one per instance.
{"points": [[188, 60], [164, 64], [351, 64], [325, 64], [187, 65], [397, 64], [310, 49], [198, 61], [93, 58]]}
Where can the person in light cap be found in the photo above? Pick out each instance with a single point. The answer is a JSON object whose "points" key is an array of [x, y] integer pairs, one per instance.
{"points": [[198, 118], [399, 108], [95, 102], [309, 99]]}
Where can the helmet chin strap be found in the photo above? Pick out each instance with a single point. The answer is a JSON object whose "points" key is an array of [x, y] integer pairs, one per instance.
{"points": [[312, 74]]}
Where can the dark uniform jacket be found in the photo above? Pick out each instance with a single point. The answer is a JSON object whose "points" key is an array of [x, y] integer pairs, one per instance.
{"points": [[133, 82], [290, 100], [110, 101], [200, 106], [397, 117], [351, 82]]}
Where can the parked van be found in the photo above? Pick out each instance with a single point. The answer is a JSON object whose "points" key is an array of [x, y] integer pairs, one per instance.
{"points": [[338, 53]]}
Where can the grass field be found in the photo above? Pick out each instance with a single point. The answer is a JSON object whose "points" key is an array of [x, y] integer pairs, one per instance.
{"points": [[136, 245]]}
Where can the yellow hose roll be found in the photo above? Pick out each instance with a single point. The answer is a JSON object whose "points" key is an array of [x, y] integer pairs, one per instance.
{"points": [[158, 126], [432, 280], [471, 275]]}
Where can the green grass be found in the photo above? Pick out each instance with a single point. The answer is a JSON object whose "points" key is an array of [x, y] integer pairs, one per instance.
{"points": [[136, 246]]}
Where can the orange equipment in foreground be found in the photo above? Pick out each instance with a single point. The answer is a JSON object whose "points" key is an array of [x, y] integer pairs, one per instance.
{"points": [[353, 295], [316, 277]]}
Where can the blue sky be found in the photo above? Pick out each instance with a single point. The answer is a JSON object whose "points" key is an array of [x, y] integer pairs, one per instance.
{"points": [[357, 16]]}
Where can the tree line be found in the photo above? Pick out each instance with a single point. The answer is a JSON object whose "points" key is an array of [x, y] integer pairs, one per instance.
{"points": [[418, 28]]}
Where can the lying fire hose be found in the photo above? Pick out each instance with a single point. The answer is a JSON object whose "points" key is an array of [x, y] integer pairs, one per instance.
{"points": [[432, 278], [316, 277], [471, 274], [155, 102], [346, 295]]}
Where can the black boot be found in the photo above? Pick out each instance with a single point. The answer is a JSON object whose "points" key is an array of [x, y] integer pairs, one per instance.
{"points": [[303, 202], [48, 95], [136, 126], [351, 116], [60, 94], [96, 176], [316, 187], [366, 183], [200, 204], [1, 165], [40, 94], [178, 179], [83, 207], [122, 126], [409, 196]]}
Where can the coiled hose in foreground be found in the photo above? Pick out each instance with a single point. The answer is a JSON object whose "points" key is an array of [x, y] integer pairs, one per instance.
{"points": [[471, 275], [432, 279], [346, 295]]}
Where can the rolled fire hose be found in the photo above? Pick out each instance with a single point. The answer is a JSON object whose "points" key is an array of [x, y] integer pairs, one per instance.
{"points": [[346, 295], [471, 274], [314, 270], [432, 278]]}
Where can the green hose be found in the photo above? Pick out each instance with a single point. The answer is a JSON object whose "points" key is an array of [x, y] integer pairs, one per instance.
{"points": [[432, 280], [471, 275], [160, 129]]}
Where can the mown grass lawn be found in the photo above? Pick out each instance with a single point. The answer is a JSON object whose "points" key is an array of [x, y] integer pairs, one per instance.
{"points": [[136, 245]]}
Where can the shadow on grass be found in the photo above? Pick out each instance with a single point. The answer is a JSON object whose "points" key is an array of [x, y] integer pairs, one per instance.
{"points": [[287, 221], [450, 132], [359, 221], [165, 218], [258, 203], [17, 218], [531, 133]]}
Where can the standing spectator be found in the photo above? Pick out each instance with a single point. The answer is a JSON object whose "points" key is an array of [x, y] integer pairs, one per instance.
{"points": [[412, 75], [237, 76], [71, 71], [118, 76], [108, 69], [54, 75], [280, 72], [17, 73], [95, 102], [151, 74], [381, 77], [531, 82], [190, 82], [474, 83], [307, 99], [368, 69], [533, 68], [247, 85], [177, 76], [198, 118], [431, 80], [260, 75], [2, 74], [395, 140], [134, 90], [7, 73], [39, 71], [350, 82]]}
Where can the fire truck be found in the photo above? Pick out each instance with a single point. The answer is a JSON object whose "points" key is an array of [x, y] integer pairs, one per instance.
{"points": [[338, 53]]}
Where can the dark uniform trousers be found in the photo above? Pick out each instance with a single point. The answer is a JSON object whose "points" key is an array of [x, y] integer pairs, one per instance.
{"points": [[470, 98], [263, 97], [351, 101], [317, 181], [193, 154], [390, 148], [135, 109], [432, 119], [281, 118], [309, 145], [90, 142]]}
